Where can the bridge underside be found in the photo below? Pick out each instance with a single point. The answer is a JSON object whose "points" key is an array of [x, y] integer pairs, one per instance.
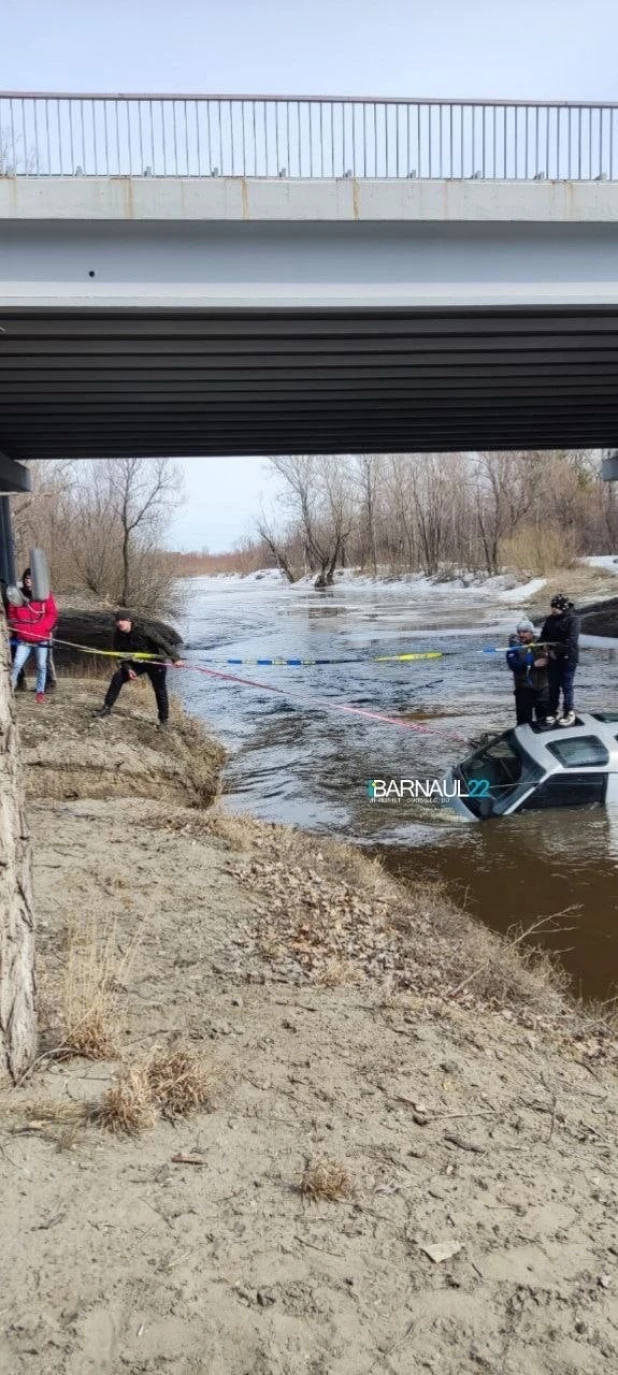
{"points": [[101, 383]]}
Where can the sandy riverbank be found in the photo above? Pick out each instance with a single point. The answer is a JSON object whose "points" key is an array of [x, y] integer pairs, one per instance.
{"points": [[340, 1018]]}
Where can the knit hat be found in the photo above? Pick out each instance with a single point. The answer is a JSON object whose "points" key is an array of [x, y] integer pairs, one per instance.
{"points": [[525, 624], [561, 602]]}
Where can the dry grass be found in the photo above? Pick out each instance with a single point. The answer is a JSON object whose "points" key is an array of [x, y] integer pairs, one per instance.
{"points": [[127, 1107], [249, 557], [35, 1116], [581, 583], [166, 1083], [57, 1121], [182, 765], [88, 668], [538, 551], [339, 973], [326, 1181], [93, 979], [179, 1081], [239, 832]]}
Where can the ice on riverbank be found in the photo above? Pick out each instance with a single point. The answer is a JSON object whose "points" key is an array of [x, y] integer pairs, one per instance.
{"points": [[457, 585], [502, 587]]}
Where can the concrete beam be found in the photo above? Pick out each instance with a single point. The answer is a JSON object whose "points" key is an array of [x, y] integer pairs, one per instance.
{"points": [[221, 266], [344, 200], [13, 476]]}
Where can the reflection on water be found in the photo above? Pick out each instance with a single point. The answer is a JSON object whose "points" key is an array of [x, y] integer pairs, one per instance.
{"points": [[301, 762]]}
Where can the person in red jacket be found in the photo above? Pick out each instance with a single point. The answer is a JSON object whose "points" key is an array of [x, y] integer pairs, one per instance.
{"points": [[31, 625]]}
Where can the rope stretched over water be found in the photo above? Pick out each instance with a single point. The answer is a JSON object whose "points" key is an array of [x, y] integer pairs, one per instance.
{"points": [[325, 703], [417, 656], [322, 702]]}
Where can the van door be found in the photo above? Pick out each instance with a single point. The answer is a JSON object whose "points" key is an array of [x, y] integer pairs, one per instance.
{"points": [[567, 790]]}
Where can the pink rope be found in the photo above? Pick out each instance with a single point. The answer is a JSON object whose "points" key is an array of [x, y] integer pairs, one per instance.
{"points": [[328, 705]]}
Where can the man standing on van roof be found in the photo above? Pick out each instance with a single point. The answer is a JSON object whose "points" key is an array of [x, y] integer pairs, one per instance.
{"points": [[561, 633], [129, 638]]}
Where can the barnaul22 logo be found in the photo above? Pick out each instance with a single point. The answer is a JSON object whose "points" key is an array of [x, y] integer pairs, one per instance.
{"points": [[436, 789]]}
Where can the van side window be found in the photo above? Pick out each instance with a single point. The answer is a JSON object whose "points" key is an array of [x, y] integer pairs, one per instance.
{"points": [[567, 790], [581, 752]]}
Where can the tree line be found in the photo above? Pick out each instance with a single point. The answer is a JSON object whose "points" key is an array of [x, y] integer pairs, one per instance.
{"points": [[438, 513], [103, 523]]}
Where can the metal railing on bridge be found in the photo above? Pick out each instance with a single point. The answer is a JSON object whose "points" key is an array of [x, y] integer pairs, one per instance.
{"points": [[290, 138]]}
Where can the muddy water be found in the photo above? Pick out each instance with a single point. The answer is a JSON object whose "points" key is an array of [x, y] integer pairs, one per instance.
{"points": [[299, 759]]}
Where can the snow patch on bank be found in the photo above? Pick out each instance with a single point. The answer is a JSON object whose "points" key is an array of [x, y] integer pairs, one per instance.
{"points": [[459, 585], [607, 561], [525, 592]]}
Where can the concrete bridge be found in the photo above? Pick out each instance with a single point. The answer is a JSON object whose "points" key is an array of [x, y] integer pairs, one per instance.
{"points": [[195, 275]]}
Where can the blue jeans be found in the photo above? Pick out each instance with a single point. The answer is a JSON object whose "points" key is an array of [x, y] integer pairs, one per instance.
{"points": [[561, 675], [22, 654]]}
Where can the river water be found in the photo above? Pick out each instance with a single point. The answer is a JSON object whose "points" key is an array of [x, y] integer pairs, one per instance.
{"points": [[300, 759]]}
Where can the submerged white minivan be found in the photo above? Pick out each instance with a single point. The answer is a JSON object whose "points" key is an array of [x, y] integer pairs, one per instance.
{"points": [[531, 768]]}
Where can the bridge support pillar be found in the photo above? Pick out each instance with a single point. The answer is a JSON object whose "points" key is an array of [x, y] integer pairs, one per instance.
{"points": [[13, 478], [7, 548], [609, 467]]}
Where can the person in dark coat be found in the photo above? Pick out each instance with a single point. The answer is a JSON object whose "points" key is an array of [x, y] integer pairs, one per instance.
{"points": [[130, 638], [528, 664], [561, 634]]}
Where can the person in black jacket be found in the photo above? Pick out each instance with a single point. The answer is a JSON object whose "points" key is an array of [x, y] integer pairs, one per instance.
{"points": [[561, 633], [128, 638]]}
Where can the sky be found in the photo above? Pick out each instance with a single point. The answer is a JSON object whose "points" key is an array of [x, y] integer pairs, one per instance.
{"points": [[526, 49]]}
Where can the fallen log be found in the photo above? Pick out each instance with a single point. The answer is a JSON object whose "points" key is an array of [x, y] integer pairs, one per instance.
{"points": [[95, 629], [600, 618]]}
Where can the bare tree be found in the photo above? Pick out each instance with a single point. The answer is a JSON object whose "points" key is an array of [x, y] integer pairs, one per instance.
{"points": [[94, 532], [118, 514], [316, 496], [141, 491], [43, 517], [280, 545], [505, 495], [367, 473], [102, 525], [401, 525], [430, 493], [13, 151]]}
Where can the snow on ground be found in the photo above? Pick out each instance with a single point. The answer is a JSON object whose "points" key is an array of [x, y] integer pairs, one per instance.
{"points": [[452, 585], [607, 561], [524, 592], [503, 587]]}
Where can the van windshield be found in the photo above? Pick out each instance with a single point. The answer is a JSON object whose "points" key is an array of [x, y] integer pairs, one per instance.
{"points": [[501, 770]]}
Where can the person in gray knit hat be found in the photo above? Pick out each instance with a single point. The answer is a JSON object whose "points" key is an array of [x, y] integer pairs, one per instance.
{"points": [[528, 664]]}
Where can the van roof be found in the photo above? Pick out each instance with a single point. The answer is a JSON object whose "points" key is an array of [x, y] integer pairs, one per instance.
{"points": [[603, 725]]}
